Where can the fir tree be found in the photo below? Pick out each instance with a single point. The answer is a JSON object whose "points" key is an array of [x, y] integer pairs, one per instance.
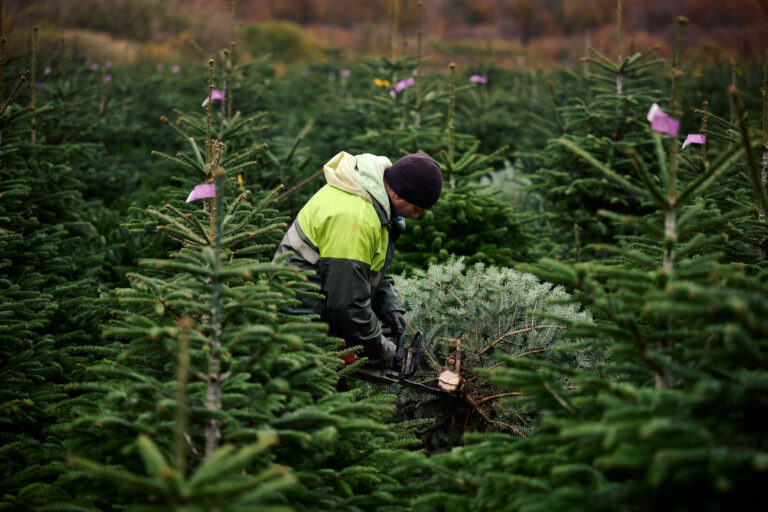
{"points": [[468, 220], [49, 270], [606, 122], [746, 237], [405, 110]]}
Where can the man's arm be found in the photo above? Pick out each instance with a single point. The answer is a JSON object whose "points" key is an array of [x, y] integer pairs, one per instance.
{"points": [[346, 283], [386, 300]]}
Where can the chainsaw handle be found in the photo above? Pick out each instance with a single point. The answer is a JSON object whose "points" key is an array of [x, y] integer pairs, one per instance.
{"points": [[399, 358], [415, 352], [402, 359]]}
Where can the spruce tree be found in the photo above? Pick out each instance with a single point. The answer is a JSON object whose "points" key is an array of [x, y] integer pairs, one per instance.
{"points": [[746, 237], [468, 220]]}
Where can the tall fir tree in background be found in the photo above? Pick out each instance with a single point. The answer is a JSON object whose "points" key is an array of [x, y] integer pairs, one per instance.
{"points": [[745, 239], [606, 122], [468, 220], [444, 228]]}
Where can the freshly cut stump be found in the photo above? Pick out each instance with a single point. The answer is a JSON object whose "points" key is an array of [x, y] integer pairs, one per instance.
{"points": [[449, 381]]}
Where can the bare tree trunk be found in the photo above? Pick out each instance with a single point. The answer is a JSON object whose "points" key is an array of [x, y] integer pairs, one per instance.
{"points": [[214, 377], [182, 373], [2, 55], [32, 79], [763, 250], [619, 75], [451, 98]]}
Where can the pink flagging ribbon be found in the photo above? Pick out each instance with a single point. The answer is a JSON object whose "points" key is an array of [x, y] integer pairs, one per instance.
{"points": [[216, 94], [661, 122], [202, 192], [652, 112], [695, 138], [404, 84]]}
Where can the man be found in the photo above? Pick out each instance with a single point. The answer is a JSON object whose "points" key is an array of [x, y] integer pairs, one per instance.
{"points": [[346, 233]]}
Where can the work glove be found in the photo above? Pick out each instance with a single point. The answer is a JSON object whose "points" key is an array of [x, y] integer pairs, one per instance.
{"points": [[398, 322], [388, 350], [380, 353]]}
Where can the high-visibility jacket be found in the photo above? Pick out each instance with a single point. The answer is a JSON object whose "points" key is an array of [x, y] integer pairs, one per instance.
{"points": [[346, 233]]}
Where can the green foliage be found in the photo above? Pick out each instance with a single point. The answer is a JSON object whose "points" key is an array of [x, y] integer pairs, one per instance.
{"points": [[49, 269], [220, 481], [669, 421], [610, 120], [406, 120], [744, 237], [688, 443], [515, 108], [284, 40], [467, 222]]}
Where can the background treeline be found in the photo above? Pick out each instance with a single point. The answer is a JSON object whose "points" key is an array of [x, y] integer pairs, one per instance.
{"points": [[598, 289], [549, 32]]}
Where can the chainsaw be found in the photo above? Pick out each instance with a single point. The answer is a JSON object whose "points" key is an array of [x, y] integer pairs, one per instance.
{"points": [[404, 366]]}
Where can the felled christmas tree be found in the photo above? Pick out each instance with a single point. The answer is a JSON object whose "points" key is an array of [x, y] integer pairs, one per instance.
{"points": [[473, 317]]}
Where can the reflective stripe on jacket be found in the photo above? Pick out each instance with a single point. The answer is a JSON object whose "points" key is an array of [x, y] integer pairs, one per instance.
{"points": [[343, 233]]}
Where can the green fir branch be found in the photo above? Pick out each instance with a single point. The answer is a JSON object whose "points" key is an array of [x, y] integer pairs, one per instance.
{"points": [[600, 167], [178, 161]]}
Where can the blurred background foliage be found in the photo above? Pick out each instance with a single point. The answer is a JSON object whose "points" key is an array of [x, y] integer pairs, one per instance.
{"points": [[518, 33]]}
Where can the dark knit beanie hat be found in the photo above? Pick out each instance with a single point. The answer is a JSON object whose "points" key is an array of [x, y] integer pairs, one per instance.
{"points": [[417, 179]]}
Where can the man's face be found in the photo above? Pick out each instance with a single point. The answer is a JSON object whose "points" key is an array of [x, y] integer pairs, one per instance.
{"points": [[405, 209]]}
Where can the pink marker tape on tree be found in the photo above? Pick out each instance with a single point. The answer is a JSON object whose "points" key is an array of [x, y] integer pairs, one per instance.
{"points": [[661, 122], [202, 192], [216, 94], [404, 84], [652, 112], [695, 138]]}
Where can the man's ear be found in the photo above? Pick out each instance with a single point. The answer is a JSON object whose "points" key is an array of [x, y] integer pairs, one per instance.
{"points": [[391, 193]]}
